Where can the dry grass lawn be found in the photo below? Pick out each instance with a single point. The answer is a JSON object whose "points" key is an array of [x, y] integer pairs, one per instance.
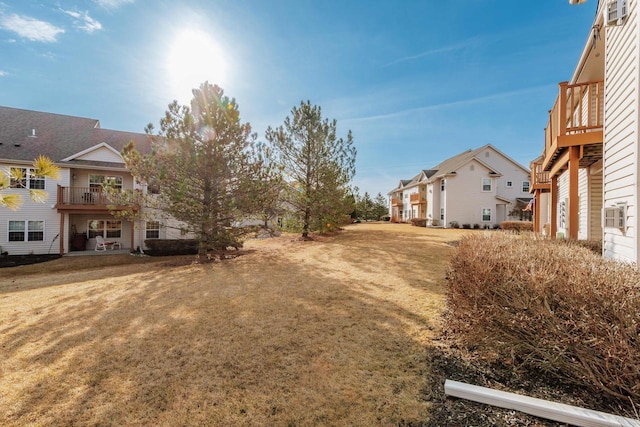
{"points": [[330, 332]]}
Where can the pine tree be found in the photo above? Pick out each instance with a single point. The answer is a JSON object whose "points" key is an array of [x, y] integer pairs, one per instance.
{"points": [[201, 165], [317, 166]]}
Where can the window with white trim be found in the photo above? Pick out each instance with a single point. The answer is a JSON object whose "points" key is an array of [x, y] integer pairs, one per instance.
{"points": [[441, 214], [153, 230], [487, 184], [26, 231], [486, 214], [18, 178], [108, 229], [442, 185], [525, 186], [96, 181], [509, 184]]}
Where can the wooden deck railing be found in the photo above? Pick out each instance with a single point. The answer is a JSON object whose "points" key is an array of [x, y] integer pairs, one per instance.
{"points": [[539, 177], [418, 198], [396, 201], [88, 197], [577, 113]]}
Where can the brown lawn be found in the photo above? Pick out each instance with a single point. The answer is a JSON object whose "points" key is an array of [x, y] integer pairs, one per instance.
{"points": [[330, 332]]}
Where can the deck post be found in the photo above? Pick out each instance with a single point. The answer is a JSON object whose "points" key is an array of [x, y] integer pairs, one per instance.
{"points": [[61, 236]]}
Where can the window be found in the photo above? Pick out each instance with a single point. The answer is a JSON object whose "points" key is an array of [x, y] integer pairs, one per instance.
{"points": [[442, 214], [36, 182], [108, 229], [96, 181], [486, 215], [18, 178], [509, 184], [486, 184], [30, 231], [442, 185], [26, 178], [153, 230], [525, 186]]}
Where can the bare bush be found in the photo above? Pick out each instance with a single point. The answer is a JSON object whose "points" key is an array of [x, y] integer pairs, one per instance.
{"points": [[517, 226], [553, 308]]}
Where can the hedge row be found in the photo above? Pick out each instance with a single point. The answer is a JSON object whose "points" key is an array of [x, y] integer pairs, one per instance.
{"points": [[549, 307]]}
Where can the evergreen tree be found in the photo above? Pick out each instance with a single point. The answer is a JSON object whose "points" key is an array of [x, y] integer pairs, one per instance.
{"points": [[316, 164], [201, 166], [380, 206]]}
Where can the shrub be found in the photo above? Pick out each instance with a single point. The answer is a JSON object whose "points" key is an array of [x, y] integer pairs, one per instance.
{"points": [[454, 224], [171, 246], [549, 307], [419, 222], [476, 226], [517, 226], [466, 226]]}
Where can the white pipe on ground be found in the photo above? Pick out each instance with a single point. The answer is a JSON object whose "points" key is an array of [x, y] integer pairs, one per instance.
{"points": [[540, 408]]}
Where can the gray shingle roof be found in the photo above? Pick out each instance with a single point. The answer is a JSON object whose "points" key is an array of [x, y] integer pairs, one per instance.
{"points": [[56, 136]]}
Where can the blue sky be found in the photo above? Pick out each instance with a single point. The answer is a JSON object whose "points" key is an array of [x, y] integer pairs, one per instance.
{"points": [[416, 81]]}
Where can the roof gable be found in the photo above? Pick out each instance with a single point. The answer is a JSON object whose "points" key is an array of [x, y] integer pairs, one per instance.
{"points": [[102, 152]]}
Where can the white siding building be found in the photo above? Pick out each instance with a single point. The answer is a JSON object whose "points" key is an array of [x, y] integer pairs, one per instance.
{"points": [[587, 181], [76, 209], [477, 187]]}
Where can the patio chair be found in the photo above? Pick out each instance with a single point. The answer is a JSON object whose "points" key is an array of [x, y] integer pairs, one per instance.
{"points": [[102, 245]]}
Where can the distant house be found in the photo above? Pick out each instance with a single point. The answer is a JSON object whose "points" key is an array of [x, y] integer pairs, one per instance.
{"points": [[585, 183], [76, 211], [482, 186]]}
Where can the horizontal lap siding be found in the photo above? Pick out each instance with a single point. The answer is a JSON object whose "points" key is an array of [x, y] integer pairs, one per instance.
{"points": [[620, 163]]}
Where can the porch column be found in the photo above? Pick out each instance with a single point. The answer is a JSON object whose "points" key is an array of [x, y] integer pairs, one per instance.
{"points": [[572, 214], [61, 236], [553, 226], [536, 211], [133, 230]]}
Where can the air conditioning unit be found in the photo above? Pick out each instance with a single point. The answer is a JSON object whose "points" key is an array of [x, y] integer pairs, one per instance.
{"points": [[616, 11]]}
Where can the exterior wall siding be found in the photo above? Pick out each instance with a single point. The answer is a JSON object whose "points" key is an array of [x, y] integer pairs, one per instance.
{"points": [[31, 211], [595, 202], [620, 148]]}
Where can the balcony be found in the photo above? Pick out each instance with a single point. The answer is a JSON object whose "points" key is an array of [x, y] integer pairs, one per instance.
{"points": [[89, 200], [396, 201], [540, 179], [418, 198], [575, 120]]}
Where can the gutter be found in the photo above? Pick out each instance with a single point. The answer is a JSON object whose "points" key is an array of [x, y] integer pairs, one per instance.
{"points": [[538, 407]]}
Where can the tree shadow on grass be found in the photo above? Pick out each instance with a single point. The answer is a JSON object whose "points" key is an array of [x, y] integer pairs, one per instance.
{"points": [[243, 342]]}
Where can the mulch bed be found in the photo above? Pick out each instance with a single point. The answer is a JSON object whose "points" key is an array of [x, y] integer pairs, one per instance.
{"points": [[447, 361], [15, 260]]}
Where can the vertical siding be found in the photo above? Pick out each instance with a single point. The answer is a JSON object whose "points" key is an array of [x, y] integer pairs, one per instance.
{"points": [[595, 202], [583, 204], [620, 146]]}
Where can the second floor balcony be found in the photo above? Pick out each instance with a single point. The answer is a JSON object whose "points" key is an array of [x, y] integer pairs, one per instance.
{"points": [[576, 119], [540, 179], [418, 198], [90, 199], [396, 201]]}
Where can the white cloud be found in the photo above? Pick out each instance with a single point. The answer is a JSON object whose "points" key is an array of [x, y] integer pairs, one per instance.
{"points": [[3, 73], [112, 4], [30, 28], [83, 21]]}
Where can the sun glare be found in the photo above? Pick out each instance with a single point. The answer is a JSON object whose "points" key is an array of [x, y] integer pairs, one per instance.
{"points": [[194, 57]]}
